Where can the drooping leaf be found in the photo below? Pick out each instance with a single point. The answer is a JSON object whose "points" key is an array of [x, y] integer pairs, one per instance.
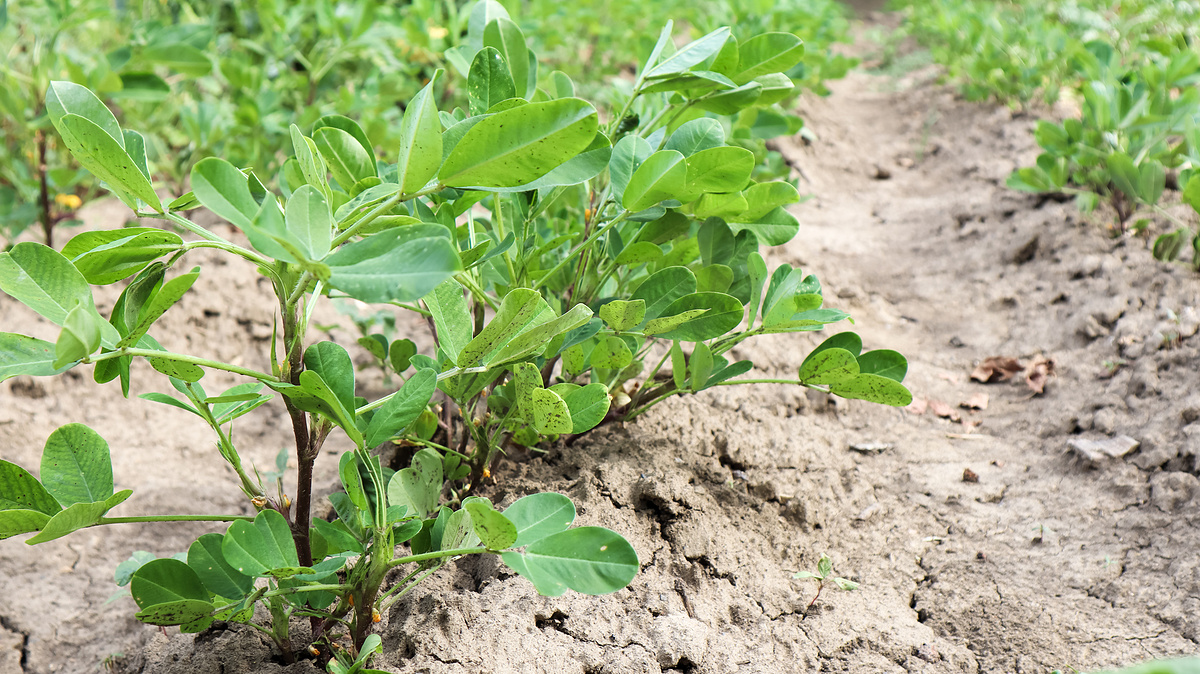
{"points": [[550, 412], [218, 576], [80, 336], [401, 264], [402, 409], [76, 517], [873, 388], [22, 355], [828, 366], [589, 560], [98, 152], [166, 580], [885, 363], [494, 530], [419, 485], [43, 280], [19, 490]]}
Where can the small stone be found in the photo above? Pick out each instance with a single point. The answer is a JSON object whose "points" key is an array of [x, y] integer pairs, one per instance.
{"points": [[1098, 451], [928, 653], [871, 447], [970, 475]]}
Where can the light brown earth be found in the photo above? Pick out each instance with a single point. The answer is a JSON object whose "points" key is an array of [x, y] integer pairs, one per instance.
{"points": [[1047, 561]]}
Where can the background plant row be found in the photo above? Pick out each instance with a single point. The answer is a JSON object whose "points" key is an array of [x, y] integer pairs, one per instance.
{"points": [[228, 78], [1131, 70]]}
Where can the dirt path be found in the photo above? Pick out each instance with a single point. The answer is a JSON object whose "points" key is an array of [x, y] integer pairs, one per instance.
{"points": [[1047, 561]]}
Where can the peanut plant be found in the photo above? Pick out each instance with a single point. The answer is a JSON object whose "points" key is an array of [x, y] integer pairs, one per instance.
{"points": [[572, 271]]}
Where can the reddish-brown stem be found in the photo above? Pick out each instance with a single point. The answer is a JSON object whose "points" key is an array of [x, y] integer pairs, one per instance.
{"points": [[808, 608], [44, 191]]}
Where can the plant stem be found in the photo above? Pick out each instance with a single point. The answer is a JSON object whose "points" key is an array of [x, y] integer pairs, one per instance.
{"points": [[44, 191], [586, 242], [174, 518], [438, 554], [415, 582], [454, 371], [180, 358]]}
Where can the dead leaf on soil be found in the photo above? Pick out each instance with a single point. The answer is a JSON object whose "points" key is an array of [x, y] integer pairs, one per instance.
{"points": [[917, 406], [977, 401], [996, 368], [1096, 451], [1040, 371], [944, 410]]}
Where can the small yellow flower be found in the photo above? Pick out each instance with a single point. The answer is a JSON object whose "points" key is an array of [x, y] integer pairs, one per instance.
{"points": [[375, 617], [68, 201], [259, 502], [438, 32]]}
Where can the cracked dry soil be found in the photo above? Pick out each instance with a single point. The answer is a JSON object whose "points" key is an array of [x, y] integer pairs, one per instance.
{"points": [[1046, 561]]}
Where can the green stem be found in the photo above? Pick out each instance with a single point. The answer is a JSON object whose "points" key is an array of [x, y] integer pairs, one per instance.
{"points": [[174, 518], [366, 220], [417, 581], [476, 292], [332, 587], [439, 554], [454, 371], [586, 242], [181, 358]]}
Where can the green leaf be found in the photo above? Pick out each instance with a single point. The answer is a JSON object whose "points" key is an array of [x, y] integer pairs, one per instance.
{"points": [[400, 354], [506, 38], [76, 517], [489, 81], [773, 229], [696, 135], [98, 152], [402, 408], [105, 257], [623, 315], [885, 363], [223, 189], [401, 264], [700, 367], [723, 313], [16, 522], [420, 141], [309, 221], [351, 127], [627, 156], [660, 177], [331, 361], [663, 288], [21, 491], [166, 297], [458, 532], [21, 355], [352, 482], [345, 155], [714, 278], [580, 168], [590, 560], [43, 280], [173, 368], [873, 388], [68, 98], [217, 575], [733, 101], [639, 252], [537, 516], [451, 317], [612, 353], [419, 485], [80, 336], [658, 326], [848, 341], [519, 309], [727, 206], [766, 197], [258, 547], [76, 467], [494, 530], [166, 580], [767, 53], [691, 54], [588, 406], [1167, 247], [828, 366], [180, 612], [719, 169], [520, 145], [534, 339], [550, 413], [312, 165], [313, 394]]}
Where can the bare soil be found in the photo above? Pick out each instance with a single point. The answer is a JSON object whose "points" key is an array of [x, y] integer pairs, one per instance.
{"points": [[981, 545]]}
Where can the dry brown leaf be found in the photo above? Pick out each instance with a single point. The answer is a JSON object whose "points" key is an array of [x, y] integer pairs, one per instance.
{"points": [[1040, 371], [996, 368], [943, 410], [918, 406], [977, 401]]}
